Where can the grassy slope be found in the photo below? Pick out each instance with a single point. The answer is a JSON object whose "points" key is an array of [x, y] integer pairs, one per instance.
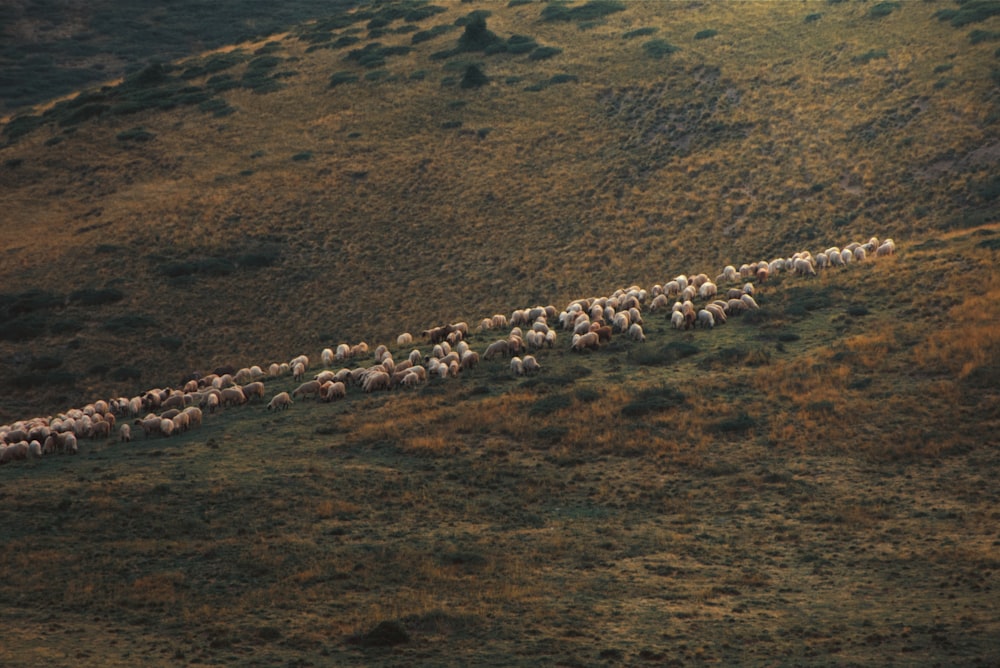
{"points": [[812, 498]]}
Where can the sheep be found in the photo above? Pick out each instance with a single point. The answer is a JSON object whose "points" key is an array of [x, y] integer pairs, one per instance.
{"points": [[763, 273], [194, 416], [380, 353], [167, 427], [343, 352], [173, 401], [232, 396], [100, 429], [635, 333], [254, 389], [677, 320], [588, 341], [242, 376], [735, 306], [280, 401], [707, 290], [404, 339], [359, 350], [860, 254], [309, 387], [324, 376], [327, 356], [706, 319], [887, 247], [530, 365], [516, 366], [378, 380], [274, 370], [212, 401], [35, 450], [749, 289], [499, 347], [469, 360], [182, 422], [750, 302], [298, 371], [301, 359], [718, 313], [847, 256], [803, 267], [334, 390]]}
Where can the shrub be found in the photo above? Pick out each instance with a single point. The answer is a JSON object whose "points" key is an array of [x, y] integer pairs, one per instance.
{"points": [[473, 77], [135, 134], [640, 32], [971, 11], [385, 634], [544, 53], [96, 297], [812, 18], [662, 356], [171, 343], [126, 324], [737, 424], [882, 9], [549, 404], [705, 34], [979, 36], [45, 363], [342, 78], [563, 78], [653, 399], [590, 11], [870, 55], [302, 156], [126, 373], [426, 35], [477, 37], [518, 44], [659, 48]]}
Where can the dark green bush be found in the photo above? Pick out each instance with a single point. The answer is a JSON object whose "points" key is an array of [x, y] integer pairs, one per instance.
{"points": [[549, 404], [544, 53], [127, 324], [812, 18], [302, 156], [27, 381], [737, 424], [653, 399], [426, 35], [171, 343], [882, 9], [29, 301], [96, 296], [342, 78], [473, 77], [477, 37], [856, 310], [83, 113], [661, 356], [705, 34], [639, 32], [135, 134], [126, 373], [870, 55], [552, 434], [970, 11], [563, 78], [659, 48], [518, 44], [590, 11], [62, 326], [45, 363]]}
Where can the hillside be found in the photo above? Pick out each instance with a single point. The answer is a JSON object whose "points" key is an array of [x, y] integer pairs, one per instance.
{"points": [[812, 482], [401, 200]]}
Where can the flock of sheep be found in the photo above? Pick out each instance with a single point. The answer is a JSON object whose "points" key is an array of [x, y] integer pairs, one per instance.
{"points": [[592, 321]]}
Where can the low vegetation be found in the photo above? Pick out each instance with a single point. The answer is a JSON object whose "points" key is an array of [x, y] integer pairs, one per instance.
{"points": [[724, 495]]}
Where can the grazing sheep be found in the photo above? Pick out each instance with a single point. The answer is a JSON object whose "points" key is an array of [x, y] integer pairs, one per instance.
{"points": [[707, 290], [860, 254], [309, 387], [182, 421], [588, 341], [324, 376], [803, 267], [706, 319], [404, 339], [469, 360], [343, 352], [232, 396], [749, 289], [34, 450], [334, 390], [274, 370], [887, 247], [167, 427], [149, 424], [750, 302], [378, 380], [212, 401], [718, 313], [194, 416], [298, 371], [635, 333], [500, 347], [762, 274], [327, 355], [254, 389], [280, 401], [530, 365], [516, 366], [677, 320]]}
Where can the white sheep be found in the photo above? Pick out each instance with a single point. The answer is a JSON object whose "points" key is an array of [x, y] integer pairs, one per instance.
{"points": [[677, 320], [309, 387], [516, 366], [280, 401], [708, 290], [335, 390], [706, 319], [635, 333], [327, 356], [404, 339], [530, 365]]}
